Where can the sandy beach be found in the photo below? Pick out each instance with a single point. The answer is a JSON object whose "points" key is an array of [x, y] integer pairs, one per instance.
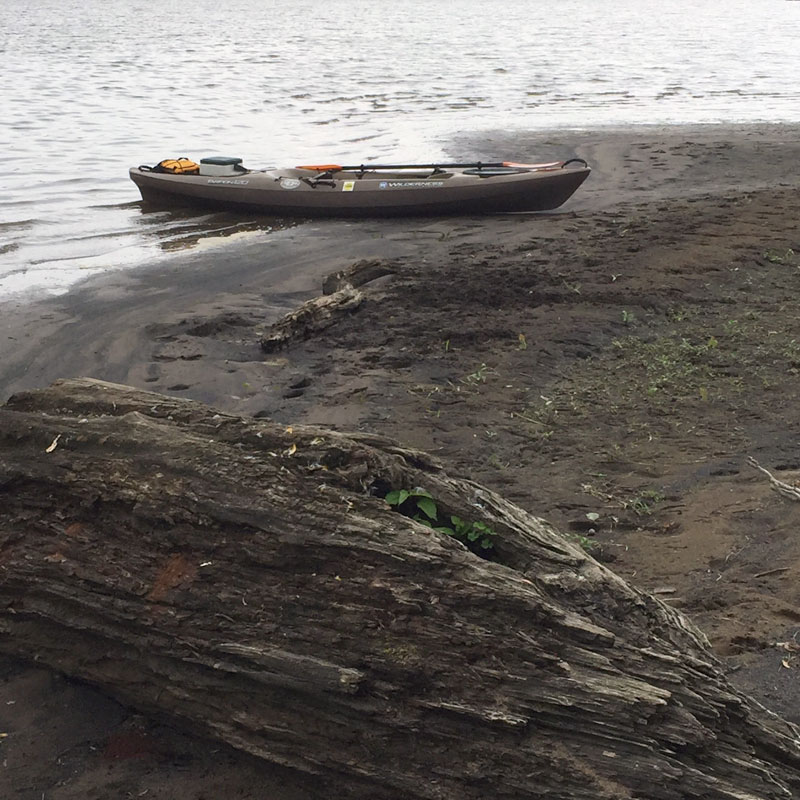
{"points": [[609, 367]]}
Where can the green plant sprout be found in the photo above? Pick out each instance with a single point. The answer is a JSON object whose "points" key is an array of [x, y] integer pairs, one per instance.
{"points": [[777, 256], [419, 505]]}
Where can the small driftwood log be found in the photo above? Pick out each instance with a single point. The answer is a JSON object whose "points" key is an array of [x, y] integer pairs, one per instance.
{"points": [[248, 581], [312, 317], [358, 274]]}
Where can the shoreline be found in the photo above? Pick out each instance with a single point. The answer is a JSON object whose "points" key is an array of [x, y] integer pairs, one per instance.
{"points": [[604, 147], [651, 164]]}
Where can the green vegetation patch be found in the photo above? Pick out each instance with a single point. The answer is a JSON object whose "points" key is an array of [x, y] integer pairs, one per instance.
{"points": [[419, 505], [672, 365]]}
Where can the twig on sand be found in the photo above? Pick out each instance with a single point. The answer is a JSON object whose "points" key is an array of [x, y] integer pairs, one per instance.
{"points": [[771, 572], [786, 489]]}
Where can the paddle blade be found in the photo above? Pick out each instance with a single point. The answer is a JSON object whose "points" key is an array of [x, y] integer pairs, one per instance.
{"points": [[322, 167], [548, 165]]}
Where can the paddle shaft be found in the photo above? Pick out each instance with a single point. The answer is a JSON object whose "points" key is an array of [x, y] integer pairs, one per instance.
{"points": [[461, 165], [477, 165]]}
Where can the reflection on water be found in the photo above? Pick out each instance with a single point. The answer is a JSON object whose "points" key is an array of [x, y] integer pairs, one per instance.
{"points": [[198, 233], [114, 84], [152, 235]]}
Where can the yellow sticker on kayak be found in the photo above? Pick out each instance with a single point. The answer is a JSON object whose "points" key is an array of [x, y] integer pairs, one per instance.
{"points": [[348, 186]]}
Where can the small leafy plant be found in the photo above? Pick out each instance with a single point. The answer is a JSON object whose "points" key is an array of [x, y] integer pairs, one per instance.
{"points": [[644, 502], [776, 256], [479, 376], [419, 505], [415, 503], [472, 534], [588, 545]]}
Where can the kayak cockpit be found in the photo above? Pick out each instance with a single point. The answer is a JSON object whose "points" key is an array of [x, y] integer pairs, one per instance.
{"points": [[321, 178]]}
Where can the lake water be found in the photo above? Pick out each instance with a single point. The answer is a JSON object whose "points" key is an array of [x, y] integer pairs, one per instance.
{"points": [[93, 87]]}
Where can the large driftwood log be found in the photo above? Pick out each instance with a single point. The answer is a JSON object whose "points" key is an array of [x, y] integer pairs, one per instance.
{"points": [[245, 579]]}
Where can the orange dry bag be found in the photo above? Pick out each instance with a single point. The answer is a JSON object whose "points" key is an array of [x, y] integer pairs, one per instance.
{"points": [[178, 166]]}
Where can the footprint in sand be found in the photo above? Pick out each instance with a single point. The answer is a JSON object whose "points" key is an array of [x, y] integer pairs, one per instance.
{"points": [[297, 388]]}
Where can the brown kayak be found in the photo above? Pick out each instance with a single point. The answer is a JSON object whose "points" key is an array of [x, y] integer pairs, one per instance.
{"points": [[363, 191]]}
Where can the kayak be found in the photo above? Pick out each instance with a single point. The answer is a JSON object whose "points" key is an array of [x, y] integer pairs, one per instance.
{"points": [[333, 190]]}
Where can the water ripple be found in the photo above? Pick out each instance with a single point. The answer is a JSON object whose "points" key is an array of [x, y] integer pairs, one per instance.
{"points": [[100, 91]]}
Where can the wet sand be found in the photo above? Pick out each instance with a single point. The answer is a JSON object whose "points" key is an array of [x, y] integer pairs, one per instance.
{"points": [[620, 358]]}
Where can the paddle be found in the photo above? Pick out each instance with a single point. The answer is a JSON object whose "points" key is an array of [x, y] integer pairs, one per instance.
{"points": [[474, 165]]}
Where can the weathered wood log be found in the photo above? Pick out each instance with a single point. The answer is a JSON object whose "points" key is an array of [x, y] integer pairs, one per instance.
{"points": [[250, 581], [781, 487], [313, 316], [359, 273]]}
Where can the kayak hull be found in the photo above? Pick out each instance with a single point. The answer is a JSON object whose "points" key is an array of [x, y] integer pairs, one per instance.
{"points": [[304, 193]]}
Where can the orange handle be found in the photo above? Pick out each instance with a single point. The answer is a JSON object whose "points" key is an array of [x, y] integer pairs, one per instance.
{"points": [[322, 167]]}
